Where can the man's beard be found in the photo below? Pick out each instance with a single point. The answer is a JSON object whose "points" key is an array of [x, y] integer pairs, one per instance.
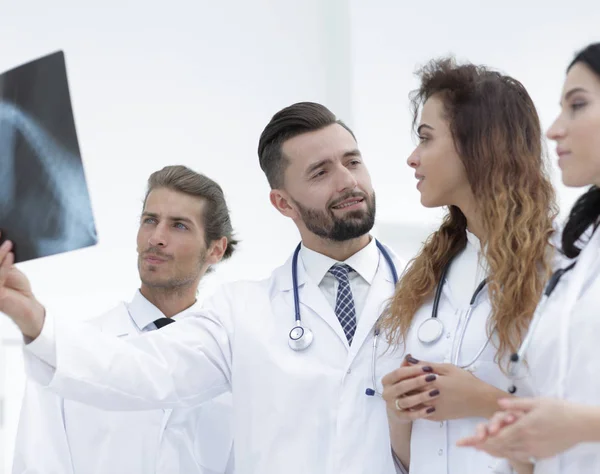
{"points": [[353, 225]]}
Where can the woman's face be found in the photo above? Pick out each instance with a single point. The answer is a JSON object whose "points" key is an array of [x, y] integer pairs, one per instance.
{"points": [[442, 179], [577, 129]]}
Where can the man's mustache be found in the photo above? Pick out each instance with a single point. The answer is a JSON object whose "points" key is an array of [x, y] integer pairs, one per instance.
{"points": [[353, 194], [157, 253]]}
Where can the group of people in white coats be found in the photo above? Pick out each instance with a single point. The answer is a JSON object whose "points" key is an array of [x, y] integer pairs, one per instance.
{"points": [[477, 356]]}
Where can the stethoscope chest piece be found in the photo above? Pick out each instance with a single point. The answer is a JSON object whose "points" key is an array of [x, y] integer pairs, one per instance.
{"points": [[430, 330], [300, 338]]}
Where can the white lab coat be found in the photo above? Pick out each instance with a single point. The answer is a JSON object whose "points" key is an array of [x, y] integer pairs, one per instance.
{"points": [[57, 436], [433, 443], [569, 367], [294, 412]]}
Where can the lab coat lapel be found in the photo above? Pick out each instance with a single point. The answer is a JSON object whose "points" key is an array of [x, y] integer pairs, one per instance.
{"points": [[381, 290], [118, 322], [311, 299]]}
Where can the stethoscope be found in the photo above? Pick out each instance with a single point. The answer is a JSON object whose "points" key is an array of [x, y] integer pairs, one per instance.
{"points": [[430, 331], [517, 358], [301, 337]]}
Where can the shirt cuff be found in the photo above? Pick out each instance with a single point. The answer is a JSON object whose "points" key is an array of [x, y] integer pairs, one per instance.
{"points": [[44, 346], [400, 469]]}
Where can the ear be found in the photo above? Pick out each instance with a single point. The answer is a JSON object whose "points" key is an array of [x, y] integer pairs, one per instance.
{"points": [[283, 203], [216, 251]]}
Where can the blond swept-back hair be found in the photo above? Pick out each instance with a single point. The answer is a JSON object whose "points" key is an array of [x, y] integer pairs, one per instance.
{"points": [[497, 134]]}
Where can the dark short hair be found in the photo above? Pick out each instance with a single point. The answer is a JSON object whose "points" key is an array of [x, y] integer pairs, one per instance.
{"points": [[216, 219], [290, 122]]}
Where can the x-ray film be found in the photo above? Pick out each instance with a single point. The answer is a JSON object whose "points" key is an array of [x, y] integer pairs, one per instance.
{"points": [[45, 206]]}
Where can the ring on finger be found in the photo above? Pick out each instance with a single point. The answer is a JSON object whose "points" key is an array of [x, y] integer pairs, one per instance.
{"points": [[398, 407]]}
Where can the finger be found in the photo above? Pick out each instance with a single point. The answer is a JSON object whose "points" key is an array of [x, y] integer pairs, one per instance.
{"points": [[5, 266], [412, 415], [510, 435], [407, 360], [499, 421], [418, 400], [5, 248], [518, 404], [441, 369], [403, 373], [405, 387]]}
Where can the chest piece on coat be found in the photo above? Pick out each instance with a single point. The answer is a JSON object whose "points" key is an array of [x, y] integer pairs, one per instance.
{"points": [[300, 338], [430, 330]]}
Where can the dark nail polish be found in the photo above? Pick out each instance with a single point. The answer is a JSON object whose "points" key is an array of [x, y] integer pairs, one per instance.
{"points": [[430, 409], [430, 378], [411, 360], [434, 393], [427, 369]]}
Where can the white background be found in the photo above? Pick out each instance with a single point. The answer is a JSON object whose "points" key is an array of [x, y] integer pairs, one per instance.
{"points": [[194, 82]]}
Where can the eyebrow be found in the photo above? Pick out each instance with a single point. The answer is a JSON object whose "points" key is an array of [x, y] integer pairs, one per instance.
{"points": [[573, 91], [171, 218], [326, 161], [424, 125]]}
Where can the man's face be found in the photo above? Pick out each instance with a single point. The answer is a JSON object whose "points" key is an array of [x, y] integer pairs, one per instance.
{"points": [[328, 185], [170, 241]]}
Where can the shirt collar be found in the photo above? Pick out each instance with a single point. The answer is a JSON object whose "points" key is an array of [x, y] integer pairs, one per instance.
{"points": [[364, 262], [474, 246], [143, 312], [473, 241]]}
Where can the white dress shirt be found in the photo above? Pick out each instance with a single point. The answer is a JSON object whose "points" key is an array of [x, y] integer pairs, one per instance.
{"points": [[364, 263]]}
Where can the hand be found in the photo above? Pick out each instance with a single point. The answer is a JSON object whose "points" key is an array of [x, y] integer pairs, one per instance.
{"points": [[461, 394], [546, 427], [16, 299], [408, 394], [484, 437]]}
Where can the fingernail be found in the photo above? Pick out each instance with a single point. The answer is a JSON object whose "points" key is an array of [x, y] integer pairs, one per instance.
{"points": [[434, 393], [430, 409], [427, 369], [411, 360], [430, 378]]}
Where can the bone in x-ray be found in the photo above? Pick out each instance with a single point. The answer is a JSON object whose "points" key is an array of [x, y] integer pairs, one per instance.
{"points": [[44, 201]]}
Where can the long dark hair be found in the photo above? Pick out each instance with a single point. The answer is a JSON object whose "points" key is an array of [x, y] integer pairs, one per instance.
{"points": [[586, 211]]}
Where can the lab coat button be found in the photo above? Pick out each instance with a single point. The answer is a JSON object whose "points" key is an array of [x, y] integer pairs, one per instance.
{"points": [[440, 452], [448, 335], [441, 424], [349, 371]]}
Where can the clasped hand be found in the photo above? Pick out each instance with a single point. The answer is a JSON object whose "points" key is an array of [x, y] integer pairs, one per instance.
{"points": [[529, 429], [436, 392]]}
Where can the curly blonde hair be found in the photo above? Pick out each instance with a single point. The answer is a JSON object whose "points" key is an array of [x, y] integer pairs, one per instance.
{"points": [[497, 134]]}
